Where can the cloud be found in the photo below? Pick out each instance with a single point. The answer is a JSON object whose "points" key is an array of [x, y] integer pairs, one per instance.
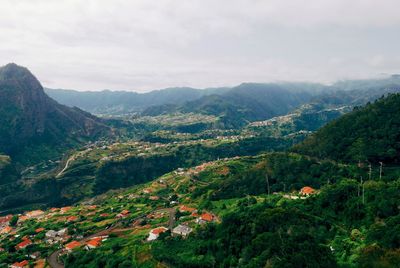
{"points": [[142, 45]]}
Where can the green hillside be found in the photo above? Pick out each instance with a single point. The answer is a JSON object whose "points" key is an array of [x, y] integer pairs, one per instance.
{"points": [[255, 222], [370, 133]]}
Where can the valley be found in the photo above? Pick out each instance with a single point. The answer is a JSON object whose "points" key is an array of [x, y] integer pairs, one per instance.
{"points": [[274, 175]]}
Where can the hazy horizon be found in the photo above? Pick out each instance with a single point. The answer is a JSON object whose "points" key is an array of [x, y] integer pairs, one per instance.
{"points": [[142, 46]]}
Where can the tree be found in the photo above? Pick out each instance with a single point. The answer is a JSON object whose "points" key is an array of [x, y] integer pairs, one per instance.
{"points": [[14, 220]]}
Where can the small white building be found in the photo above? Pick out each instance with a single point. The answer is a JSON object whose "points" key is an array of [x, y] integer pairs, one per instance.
{"points": [[155, 233], [182, 230]]}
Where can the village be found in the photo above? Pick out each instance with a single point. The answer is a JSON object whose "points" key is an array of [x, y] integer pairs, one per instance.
{"points": [[165, 206]]}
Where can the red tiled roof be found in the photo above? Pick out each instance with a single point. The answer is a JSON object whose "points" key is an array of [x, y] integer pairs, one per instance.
{"points": [[184, 208], [159, 230], [125, 212], [6, 230], [23, 244], [207, 217], [5, 219], [307, 190], [72, 245], [23, 218], [72, 218], [38, 230], [95, 242], [34, 213], [20, 264], [104, 215], [65, 209]]}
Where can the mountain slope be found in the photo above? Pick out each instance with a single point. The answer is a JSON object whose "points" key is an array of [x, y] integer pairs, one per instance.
{"points": [[120, 102], [369, 133], [244, 103], [30, 121]]}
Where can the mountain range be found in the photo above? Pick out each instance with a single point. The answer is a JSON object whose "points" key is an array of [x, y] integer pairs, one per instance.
{"points": [[234, 106], [108, 102]]}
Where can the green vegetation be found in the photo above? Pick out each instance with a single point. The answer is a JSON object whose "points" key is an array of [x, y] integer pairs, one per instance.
{"points": [[369, 134], [218, 188]]}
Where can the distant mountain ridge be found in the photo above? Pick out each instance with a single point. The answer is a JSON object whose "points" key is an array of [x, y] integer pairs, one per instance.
{"points": [[246, 102], [116, 103], [32, 123], [252, 101], [123, 102]]}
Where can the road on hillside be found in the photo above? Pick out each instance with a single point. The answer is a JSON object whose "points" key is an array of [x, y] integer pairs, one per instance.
{"points": [[53, 259], [172, 219]]}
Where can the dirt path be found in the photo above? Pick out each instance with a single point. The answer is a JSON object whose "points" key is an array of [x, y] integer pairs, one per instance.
{"points": [[71, 158], [66, 166]]}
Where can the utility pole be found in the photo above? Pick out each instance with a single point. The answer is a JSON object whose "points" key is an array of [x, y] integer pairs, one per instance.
{"points": [[370, 171], [362, 185], [380, 170], [267, 183]]}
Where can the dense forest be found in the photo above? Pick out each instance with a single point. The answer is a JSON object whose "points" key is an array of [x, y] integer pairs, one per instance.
{"points": [[337, 228], [369, 133]]}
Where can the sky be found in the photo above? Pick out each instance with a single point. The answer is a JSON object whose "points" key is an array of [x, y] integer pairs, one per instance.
{"points": [[142, 45]]}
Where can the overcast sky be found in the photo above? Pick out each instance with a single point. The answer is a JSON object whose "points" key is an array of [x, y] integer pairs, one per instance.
{"points": [[142, 45]]}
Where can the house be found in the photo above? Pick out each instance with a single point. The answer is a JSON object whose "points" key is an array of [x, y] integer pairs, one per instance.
{"points": [[54, 237], [147, 191], [195, 214], [184, 209], [22, 264], [104, 215], [51, 234], [34, 255], [72, 218], [22, 218], [155, 233], [34, 214], [72, 245], [65, 209], [205, 217], [307, 190], [93, 243], [23, 244], [133, 196], [123, 214], [154, 198], [39, 230], [4, 221], [6, 230], [182, 230]]}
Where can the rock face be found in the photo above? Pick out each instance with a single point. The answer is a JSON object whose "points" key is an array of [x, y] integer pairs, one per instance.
{"points": [[29, 118]]}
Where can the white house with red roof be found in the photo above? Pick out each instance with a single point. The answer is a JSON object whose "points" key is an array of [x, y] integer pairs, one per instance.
{"points": [[155, 233]]}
